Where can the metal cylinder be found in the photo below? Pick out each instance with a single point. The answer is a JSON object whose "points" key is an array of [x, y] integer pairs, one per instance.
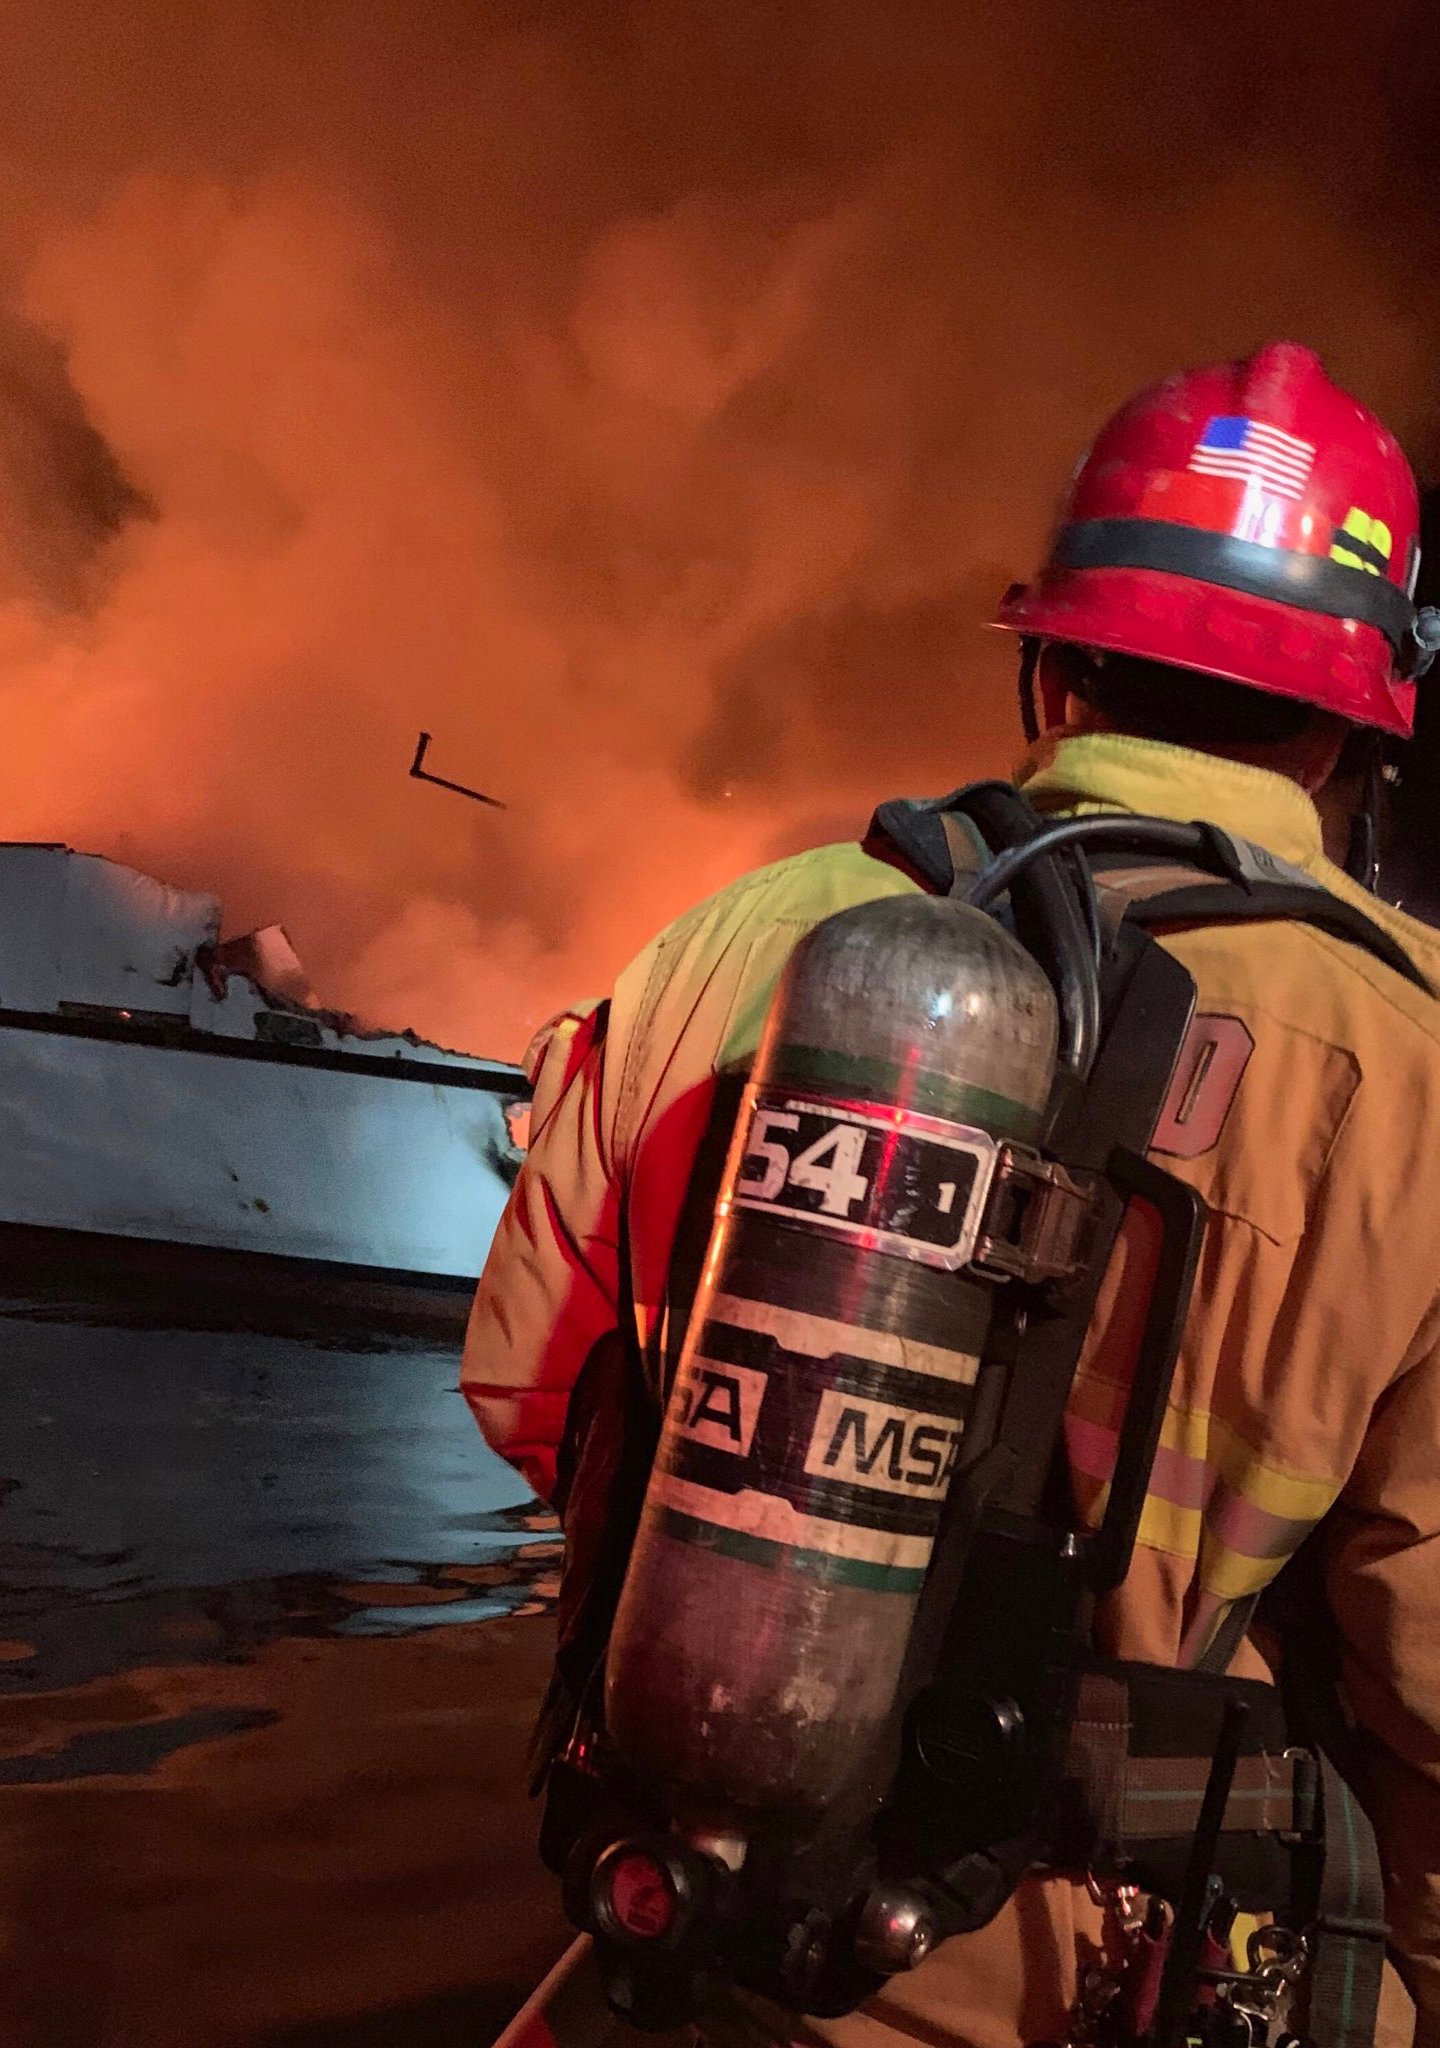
{"points": [[821, 1395]]}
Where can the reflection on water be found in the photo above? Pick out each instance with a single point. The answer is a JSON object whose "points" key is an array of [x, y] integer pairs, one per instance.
{"points": [[101, 1618], [272, 1629], [174, 1495]]}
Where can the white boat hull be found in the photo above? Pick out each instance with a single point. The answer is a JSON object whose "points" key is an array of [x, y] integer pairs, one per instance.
{"points": [[353, 1161]]}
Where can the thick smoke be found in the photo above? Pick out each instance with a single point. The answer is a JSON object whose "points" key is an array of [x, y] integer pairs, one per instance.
{"points": [[647, 400], [62, 494]]}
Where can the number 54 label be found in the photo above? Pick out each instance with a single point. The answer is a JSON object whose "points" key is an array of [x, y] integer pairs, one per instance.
{"points": [[904, 1183]]}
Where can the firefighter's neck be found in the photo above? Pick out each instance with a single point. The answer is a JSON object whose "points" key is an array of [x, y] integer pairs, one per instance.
{"points": [[1309, 758]]}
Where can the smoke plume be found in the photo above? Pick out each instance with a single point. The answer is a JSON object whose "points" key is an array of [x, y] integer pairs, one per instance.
{"points": [[648, 400]]}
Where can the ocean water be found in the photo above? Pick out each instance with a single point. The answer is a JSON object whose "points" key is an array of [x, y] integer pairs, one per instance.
{"points": [[273, 1626]]}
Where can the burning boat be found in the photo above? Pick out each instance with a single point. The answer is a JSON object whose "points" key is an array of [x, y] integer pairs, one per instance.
{"points": [[161, 1089]]}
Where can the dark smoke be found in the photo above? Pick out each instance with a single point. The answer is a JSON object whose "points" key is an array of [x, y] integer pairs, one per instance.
{"points": [[63, 495]]}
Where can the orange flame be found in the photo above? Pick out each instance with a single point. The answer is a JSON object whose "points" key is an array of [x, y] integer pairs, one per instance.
{"points": [[650, 406]]}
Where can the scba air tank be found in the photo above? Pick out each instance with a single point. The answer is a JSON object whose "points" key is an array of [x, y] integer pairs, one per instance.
{"points": [[821, 1396]]}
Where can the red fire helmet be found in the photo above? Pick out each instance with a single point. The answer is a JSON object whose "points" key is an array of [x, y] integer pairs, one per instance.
{"points": [[1252, 521]]}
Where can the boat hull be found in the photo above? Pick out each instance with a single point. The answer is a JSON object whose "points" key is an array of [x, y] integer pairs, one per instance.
{"points": [[386, 1166]]}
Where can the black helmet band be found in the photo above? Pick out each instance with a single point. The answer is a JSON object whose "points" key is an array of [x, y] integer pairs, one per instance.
{"points": [[1312, 583]]}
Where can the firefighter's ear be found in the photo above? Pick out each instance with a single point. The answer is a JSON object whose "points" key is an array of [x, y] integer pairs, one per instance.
{"points": [[1322, 757], [1060, 673], [1081, 716]]}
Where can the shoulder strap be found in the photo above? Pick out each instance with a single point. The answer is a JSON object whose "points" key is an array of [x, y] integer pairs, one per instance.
{"points": [[1206, 901], [943, 838], [966, 850], [1260, 886], [940, 837]]}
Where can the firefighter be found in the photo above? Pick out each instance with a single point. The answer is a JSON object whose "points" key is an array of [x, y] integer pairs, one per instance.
{"points": [[1223, 630]]}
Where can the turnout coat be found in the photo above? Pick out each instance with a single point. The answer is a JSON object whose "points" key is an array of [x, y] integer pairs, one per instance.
{"points": [[1308, 1384]]}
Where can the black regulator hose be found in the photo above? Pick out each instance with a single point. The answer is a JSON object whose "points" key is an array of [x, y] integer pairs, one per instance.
{"points": [[1071, 961], [1053, 912]]}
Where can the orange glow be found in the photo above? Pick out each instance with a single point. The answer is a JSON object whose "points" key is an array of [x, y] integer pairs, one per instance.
{"points": [[649, 404]]}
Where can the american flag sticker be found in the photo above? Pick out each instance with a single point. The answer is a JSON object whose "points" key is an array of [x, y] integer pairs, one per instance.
{"points": [[1253, 452]]}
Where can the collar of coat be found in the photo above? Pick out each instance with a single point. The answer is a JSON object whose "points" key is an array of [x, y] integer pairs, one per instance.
{"points": [[1084, 772]]}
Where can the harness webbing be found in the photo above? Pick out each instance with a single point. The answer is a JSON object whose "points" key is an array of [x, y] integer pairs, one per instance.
{"points": [[1349, 1926], [1139, 1753], [939, 843], [1216, 902]]}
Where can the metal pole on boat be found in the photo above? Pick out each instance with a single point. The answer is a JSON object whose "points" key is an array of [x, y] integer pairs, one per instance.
{"points": [[422, 774]]}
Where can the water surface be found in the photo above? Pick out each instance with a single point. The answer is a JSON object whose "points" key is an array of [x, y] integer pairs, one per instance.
{"points": [[273, 1623]]}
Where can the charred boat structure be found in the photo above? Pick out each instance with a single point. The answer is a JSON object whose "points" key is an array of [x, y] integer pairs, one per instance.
{"points": [[162, 1089]]}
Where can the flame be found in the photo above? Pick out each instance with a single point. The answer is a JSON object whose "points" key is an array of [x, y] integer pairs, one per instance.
{"points": [[650, 405]]}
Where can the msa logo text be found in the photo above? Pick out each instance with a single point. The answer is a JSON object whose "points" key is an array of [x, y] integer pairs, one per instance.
{"points": [[718, 1405], [869, 1443]]}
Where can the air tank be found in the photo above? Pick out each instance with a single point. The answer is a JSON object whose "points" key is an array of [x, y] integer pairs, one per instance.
{"points": [[820, 1401]]}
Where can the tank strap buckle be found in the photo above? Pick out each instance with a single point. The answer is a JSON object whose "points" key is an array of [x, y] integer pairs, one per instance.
{"points": [[1039, 1221]]}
